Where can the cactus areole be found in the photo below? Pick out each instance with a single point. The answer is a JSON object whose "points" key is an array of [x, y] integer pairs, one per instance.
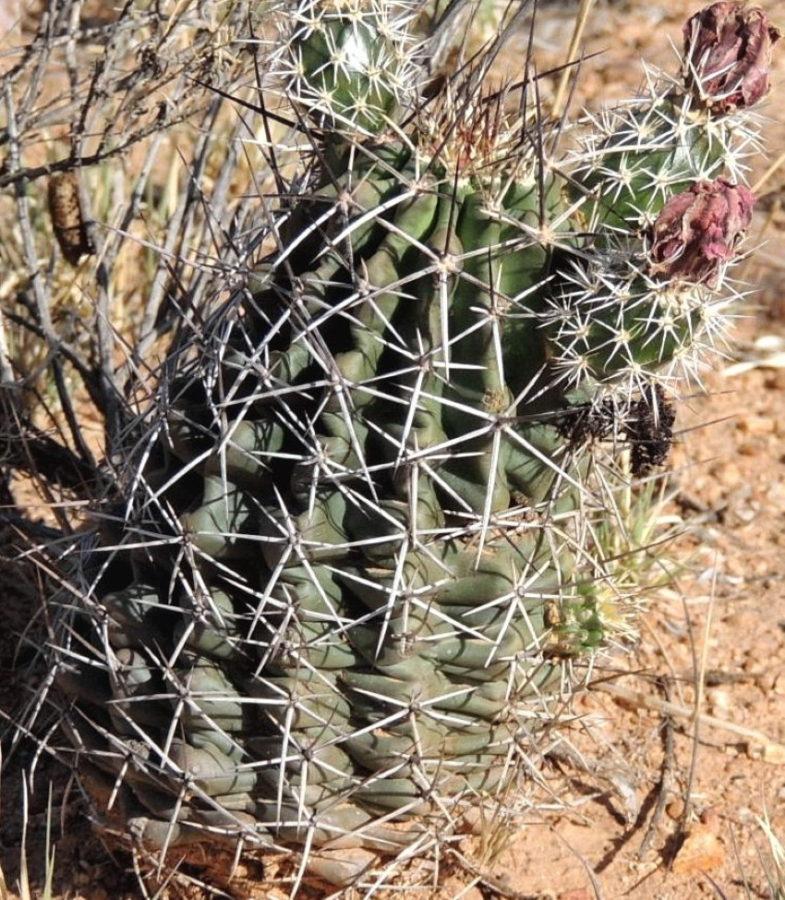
{"points": [[356, 570]]}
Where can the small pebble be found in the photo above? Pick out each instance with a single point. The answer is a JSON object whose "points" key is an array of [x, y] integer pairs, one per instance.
{"points": [[719, 701], [701, 852], [772, 752], [755, 425], [675, 808]]}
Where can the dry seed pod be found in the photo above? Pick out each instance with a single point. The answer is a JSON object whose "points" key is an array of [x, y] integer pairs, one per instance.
{"points": [[727, 49], [699, 229], [68, 222]]}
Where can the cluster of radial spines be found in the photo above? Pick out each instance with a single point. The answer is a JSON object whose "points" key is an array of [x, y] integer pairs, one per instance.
{"points": [[471, 136], [347, 65], [659, 141], [477, 128], [613, 323], [296, 752]]}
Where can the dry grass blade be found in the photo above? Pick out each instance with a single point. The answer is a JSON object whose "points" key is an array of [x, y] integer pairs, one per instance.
{"points": [[581, 20], [24, 888], [773, 861]]}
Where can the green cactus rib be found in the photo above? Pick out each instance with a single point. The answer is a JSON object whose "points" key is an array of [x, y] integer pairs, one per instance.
{"points": [[358, 566], [371, 645]]}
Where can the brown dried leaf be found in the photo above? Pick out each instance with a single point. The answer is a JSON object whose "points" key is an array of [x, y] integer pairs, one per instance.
{"points": [[68, 221]]}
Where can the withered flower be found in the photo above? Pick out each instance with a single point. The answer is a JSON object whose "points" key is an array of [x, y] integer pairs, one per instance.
{"points": [[727, 55], [699, 229]]}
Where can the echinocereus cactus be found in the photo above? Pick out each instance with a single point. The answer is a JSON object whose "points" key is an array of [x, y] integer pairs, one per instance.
{"points": [[355, 558]]}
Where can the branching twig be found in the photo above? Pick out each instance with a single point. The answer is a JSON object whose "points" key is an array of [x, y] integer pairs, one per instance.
{"points": [[677, 711], [666, 773]]}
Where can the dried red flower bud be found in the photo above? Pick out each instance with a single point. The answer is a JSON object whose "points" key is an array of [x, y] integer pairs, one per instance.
{"points": [[727, 53], [699, 229]]}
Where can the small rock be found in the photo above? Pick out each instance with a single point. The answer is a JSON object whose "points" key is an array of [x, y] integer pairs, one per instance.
{"points": [[702, 851], [746, 514], [475, 821], [710, 818], [728, 474], [719, 701], [742, 620], [736, 568], [767, 682], [775, 381], [675, 808], [751, 661], [755, 425], [772, 752]]}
